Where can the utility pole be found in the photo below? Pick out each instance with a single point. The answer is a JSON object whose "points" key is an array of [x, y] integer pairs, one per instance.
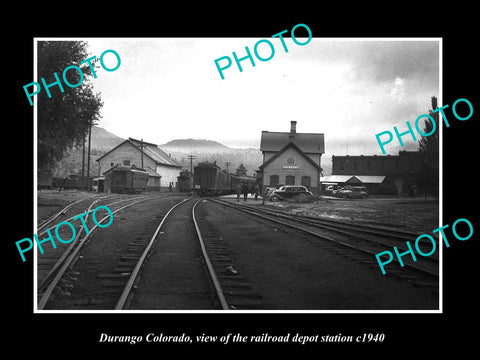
{"points": [[88, 158], [83, 186], [191, 157], [141, 150], [227, 164]]}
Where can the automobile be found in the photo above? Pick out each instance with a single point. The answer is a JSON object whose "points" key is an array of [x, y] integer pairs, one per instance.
{"points": [[270, 190], [353, 192], [286, 192], [332, 190]]}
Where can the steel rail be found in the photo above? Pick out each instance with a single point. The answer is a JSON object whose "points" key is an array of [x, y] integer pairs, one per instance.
{"points": [[66, 263], [211, 271], [342, 228], [350, 246], [44, 281], [375, 230], [53, 217], [89, 210], [128, 287]]}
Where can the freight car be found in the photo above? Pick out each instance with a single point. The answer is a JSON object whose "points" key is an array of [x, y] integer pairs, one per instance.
{"points": [[236, 180], [72, 181], [210, 180], [125, 180], [185, 181]]}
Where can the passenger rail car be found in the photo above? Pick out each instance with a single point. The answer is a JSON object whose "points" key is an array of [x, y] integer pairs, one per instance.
{"points": [[210, 180], [125, 180]]}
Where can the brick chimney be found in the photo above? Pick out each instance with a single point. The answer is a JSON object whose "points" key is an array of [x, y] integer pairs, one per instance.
{"points": [[293, 130]]}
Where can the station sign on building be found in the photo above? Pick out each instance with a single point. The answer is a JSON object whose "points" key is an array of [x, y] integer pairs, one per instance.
{"points": [[291, 158]]}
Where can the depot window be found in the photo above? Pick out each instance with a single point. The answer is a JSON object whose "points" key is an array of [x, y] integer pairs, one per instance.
{"points": [[290, 180], [306, 181], [274, 180]]}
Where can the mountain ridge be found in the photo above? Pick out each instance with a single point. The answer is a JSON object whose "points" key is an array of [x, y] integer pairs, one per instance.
{"points": [[194, 143], [103, 141]]}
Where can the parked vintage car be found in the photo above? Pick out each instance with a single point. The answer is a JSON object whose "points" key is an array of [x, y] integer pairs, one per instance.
{"points": [[269, 191], [332, 190], [300, 193], [353, 192]]}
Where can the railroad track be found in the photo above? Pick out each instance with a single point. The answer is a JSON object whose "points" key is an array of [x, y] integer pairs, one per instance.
{"points": [[386, 231], [237, 289], [352, 241], [156, 271], [121, 287], [172, 258], [49, 282], [49, 220], [48, 263], [126, 297], [228, 287]]}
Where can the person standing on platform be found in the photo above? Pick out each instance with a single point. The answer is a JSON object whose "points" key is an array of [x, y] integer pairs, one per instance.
{"points": [[257, 190], [239, 191], [245, 191]]}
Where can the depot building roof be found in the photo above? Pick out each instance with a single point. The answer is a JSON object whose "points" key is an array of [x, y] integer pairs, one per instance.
{"points": [[309, 143]]}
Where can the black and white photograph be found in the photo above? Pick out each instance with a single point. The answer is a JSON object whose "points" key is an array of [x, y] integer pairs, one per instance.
{"points": [[203, 182], [261, 205]]}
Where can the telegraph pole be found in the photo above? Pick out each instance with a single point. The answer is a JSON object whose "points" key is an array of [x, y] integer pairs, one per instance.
{"points": [[141, 150], [191, 157], [227, 164], [83, 187], [88, 158]]}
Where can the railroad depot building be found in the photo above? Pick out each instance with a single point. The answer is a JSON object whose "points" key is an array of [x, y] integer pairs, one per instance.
{"points": [[161, 168], [291, 158], [383, 173]]}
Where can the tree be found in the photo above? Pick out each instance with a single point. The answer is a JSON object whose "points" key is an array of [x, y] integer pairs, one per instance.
{"points": [[241, 170], [64, 119], [427, 174]]}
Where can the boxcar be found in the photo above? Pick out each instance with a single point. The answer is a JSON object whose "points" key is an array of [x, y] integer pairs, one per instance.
{"points": [[72, 181], [125, 180], [250, 181], [209, 179]]}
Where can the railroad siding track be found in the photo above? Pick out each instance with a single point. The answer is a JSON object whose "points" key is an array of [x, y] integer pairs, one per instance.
{"points": [[49, 219], [57, 291], [175, 274], [385, 231], [52, 258], [170, 273], [293, 269], [113, 282], [88, 282], [417, 276], [237, 290], [372, 243], [188, 268]]}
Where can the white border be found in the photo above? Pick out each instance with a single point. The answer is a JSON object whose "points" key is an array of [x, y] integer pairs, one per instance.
{"points": [[35, 202]]}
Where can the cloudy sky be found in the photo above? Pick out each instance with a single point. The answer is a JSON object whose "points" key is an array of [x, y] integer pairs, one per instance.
{"points": [[348, 89]]}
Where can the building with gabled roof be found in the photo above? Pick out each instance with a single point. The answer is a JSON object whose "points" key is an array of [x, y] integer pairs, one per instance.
{"points": [[163, 170], [291, 158]]}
